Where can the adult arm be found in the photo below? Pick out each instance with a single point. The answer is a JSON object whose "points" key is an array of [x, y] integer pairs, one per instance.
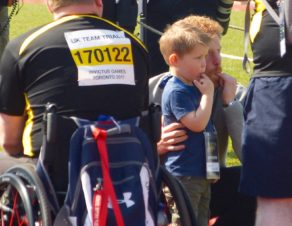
{"points": [[223, 13], [233, 115], [11, 131], [232, 94]]}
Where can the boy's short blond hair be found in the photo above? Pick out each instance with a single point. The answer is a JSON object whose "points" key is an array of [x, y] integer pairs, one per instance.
{"points": [[181, 39], [203, 23]]}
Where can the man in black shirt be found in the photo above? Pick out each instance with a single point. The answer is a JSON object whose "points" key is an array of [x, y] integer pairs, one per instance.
{"points": [[85, 64]]}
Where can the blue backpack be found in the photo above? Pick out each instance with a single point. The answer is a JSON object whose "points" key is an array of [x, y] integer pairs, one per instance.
{"points": [[111, 177]]}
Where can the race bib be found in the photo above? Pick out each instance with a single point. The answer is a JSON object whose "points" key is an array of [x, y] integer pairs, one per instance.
{"points": [[103, 57]]}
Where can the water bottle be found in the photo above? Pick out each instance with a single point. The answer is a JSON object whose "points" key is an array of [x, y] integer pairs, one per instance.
{"points": [[162, 219]]}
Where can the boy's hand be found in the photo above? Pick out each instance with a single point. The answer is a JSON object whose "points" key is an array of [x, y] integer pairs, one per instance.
{"points": [[205, 85]]}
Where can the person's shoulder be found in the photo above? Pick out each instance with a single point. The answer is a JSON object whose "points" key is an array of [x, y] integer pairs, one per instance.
{"points": [[155, 80], [15, 44], [156, 87], [176, 88], [26, 34]]}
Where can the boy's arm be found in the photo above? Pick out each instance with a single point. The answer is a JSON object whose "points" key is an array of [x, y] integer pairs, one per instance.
{"points": [[197, 120]]}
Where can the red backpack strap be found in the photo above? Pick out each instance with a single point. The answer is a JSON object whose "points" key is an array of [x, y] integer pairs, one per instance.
{"points": [[100, 137], [99, 207]]}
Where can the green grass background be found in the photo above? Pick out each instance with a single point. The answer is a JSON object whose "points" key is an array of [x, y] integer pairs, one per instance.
{"points": [[32, 15]]}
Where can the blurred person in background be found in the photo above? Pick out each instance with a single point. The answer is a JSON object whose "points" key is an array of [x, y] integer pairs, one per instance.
{"points": [[160, 13], [4, 28], [122, 12]]}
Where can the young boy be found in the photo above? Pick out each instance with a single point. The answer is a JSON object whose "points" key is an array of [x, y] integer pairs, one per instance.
{"points": [[188, 98]]}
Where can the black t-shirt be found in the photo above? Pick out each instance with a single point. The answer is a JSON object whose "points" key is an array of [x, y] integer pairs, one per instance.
{"points": [[85, 64], [266, 50]]}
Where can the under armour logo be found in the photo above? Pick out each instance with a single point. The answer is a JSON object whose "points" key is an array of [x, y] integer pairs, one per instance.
{"points": [[127, 200]]}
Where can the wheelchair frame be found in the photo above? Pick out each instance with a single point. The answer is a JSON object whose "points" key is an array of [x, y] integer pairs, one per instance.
{"points": [[34, 208]]}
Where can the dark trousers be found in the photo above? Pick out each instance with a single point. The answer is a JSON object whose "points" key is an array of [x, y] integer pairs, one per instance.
{"points": [[231, 207]]}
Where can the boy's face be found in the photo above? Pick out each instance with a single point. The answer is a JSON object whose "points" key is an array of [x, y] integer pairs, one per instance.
{"points": [[213, 60], [191, 65]]}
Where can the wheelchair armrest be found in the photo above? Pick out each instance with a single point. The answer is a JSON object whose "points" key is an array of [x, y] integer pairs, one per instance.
{"points": [[50, 119]]}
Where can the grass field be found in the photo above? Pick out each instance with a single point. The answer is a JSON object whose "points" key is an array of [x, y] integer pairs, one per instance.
{"points": [[32, 15]]}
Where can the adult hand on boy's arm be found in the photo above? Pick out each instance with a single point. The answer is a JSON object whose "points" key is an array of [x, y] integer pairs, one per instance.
{"points": [[171, 137]]}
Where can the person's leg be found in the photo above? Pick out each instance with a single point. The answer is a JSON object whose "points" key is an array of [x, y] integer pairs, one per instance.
{"points": [[7, 161], [224, 192], [204, 205], [227, 204], [175, 219], [199, 193], [271, 212]]}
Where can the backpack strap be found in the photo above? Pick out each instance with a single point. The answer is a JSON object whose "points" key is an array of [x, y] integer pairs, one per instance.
{"points": [[280, 20], [246, 61], [108, 192], [271, 11]]}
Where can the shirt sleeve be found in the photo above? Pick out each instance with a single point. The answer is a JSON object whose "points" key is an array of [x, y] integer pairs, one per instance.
{"points": [[223, 13], [181, 104], [12, 100]]}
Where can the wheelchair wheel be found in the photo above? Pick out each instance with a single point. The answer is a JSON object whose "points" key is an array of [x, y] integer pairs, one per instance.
{"points": [[15, 203], [179, 197], [37, 193]]}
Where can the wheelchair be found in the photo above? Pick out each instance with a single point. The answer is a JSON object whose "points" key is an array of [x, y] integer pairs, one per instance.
{"points": [[33, 195]]}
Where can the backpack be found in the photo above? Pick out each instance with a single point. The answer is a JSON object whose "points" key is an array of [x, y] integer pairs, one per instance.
{"points": [[111, 177]]}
